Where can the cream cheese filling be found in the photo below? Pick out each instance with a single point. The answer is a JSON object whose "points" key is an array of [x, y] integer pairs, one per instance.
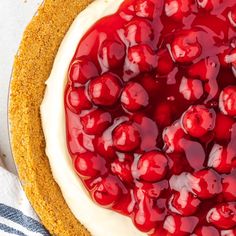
{"points": [[99, 221]]}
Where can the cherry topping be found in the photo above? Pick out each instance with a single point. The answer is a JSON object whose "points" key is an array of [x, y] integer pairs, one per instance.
{"points": [[82, 70], [164, 62], [122, 168], [152, 166], [191, 89], [108, 192], [206, 231], [223, 132], [145, 8], [223, 216], [227, 101], [139, 31], [112, 54], [232, 16], [148, 215], [179, 225], [207, 5], [229, 186], [134, 97], [222, 158], [185, 48], [126, 137], [184, 203], [96, 121], [90, 165], [177, 9], [150, 111], [104, 146], [105, 89], [198, 120], [173, 136], [143, 56], [206, 183], [77, 100]]}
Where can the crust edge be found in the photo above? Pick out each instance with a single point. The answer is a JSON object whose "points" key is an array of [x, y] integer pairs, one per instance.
{"points": [[31, 69]]}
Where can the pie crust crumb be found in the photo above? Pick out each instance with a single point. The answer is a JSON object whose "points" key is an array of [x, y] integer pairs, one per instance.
{"points": [[32, 67]]}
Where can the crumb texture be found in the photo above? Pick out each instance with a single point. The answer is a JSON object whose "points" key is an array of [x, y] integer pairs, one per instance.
{"points": [[32, 67]]}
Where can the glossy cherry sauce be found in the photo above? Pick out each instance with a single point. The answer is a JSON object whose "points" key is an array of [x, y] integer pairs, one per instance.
{"points": [[151, 115]]}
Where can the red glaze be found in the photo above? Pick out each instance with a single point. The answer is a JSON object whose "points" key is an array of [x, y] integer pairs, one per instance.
{"points": [[150, 109], [206, 231]]}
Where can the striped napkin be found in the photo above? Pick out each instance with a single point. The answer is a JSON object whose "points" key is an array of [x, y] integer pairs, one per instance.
{"points": [[16, 215]]}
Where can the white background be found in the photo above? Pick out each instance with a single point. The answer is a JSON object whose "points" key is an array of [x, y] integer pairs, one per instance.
{"points": [[14, 17]]}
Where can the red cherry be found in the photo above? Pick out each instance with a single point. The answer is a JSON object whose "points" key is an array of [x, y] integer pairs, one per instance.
{"points": [[208, 5], [165, 63], [185, 48], [139, 31], [145, 8], [173, 136], [178, 9], [109, 191], [229, 186], [104, 146], [223, 132], [105, 89], [89, 165], [77, 100], [179, 225], [227, 101], [82, 70], [222, 158], [126, 137], [223, 215], [206, 183], [152, 166], [134, 97], [183, 203], [123, 170], [148, 215], [198, 120], [112, 54], [95, 121], [232, 16], [206, 231], [191, 89], [225, 58], [142, 56]]}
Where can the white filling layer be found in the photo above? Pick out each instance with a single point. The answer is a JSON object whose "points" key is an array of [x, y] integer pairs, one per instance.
{"points": [[99, 221]]}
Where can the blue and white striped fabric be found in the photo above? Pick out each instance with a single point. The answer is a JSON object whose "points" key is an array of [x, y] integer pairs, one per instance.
{"points": [[16, 215]]}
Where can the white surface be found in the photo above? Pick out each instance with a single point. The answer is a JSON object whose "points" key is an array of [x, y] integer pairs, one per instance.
{"points": [[52, 109], [14, 17]]}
